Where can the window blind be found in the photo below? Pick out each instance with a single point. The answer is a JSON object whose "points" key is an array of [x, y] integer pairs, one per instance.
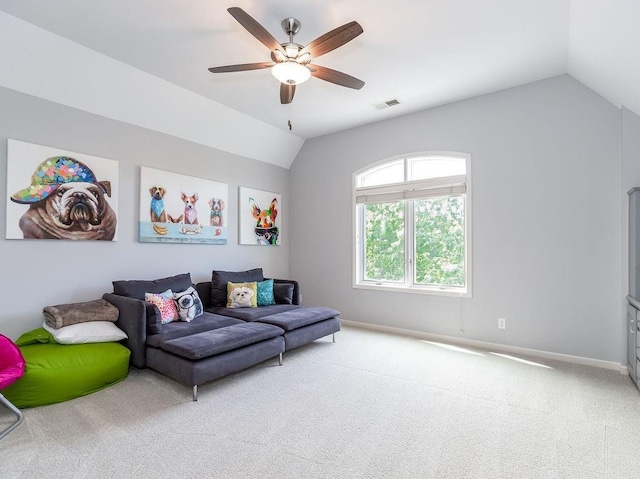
{"points": [[450, 186]]}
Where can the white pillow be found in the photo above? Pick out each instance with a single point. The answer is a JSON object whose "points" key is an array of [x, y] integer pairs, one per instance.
{"points": [[89, 332]]}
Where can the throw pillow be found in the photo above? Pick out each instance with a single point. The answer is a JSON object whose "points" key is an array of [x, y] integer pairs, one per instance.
{"points": [[283, 293], [165, 303], [154, 319], [189, 304], [219, 280], [89, 332], [242, 295], [265, 293], [37, 336]]}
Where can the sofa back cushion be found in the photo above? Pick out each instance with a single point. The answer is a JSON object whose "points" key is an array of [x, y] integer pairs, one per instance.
{"points": [[137, 288], [219, 280]]}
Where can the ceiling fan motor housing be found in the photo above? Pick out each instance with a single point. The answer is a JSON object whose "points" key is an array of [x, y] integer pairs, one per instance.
{"points": [[291, 51]]}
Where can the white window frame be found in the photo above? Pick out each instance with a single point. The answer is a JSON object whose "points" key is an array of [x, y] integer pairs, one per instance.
{"points": [[410, 190]]}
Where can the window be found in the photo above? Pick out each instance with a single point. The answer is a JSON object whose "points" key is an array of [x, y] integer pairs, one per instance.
{"points": [[413, 225]]}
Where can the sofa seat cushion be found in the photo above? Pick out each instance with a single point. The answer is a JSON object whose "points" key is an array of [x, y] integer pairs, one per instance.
{"points": [[210, 343], [179, 329], [253, 314], [299, 317]]}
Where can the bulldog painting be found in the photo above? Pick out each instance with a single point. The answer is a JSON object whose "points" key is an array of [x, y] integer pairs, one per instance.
{"points": [[66, 201]]}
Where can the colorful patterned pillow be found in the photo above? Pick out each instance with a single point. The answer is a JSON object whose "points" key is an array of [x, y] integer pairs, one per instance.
{"points": [[265, 293], [165, 303], [242, 295]]}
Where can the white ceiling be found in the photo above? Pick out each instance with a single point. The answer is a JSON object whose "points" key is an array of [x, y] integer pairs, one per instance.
{"points": [[421, 52]]}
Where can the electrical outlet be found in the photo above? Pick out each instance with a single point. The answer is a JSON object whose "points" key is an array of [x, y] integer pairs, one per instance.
{"points": [[502, 323]]}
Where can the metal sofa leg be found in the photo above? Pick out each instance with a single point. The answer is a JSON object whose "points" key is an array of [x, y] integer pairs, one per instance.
{"points": [[280, 360], [15, 411], [334, 337], [195, 393]]}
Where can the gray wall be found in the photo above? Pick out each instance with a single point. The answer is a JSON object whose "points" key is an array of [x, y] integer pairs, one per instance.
{"points": [[630, 167], [36, 273], [546, 219], [550, 175]]}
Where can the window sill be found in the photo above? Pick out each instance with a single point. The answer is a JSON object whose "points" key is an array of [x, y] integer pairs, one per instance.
{"points": [[455, 293]]}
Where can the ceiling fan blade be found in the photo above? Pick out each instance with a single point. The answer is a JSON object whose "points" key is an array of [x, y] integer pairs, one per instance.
{"points": [[334, 76], [333, 39], [286, 93], [241, 67], [254, 28]]}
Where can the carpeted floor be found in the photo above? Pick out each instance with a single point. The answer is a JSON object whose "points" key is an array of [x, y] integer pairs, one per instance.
{"points": [[372, 405]]}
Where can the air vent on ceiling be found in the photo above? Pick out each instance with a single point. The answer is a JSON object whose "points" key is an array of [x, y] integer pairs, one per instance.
{"points": [[387, 104]]}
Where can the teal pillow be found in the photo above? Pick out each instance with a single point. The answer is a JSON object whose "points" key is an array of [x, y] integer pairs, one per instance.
{"points": [[265, 293]]}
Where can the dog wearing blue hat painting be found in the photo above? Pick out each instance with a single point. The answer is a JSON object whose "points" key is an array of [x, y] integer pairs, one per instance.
{"points": [[66, 201]]}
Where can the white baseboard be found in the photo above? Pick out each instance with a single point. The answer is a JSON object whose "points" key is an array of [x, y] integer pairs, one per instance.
{"points": [[491, 346]]}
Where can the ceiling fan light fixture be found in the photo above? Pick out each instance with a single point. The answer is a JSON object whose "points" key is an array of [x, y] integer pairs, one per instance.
{"points": [[290, 73]]}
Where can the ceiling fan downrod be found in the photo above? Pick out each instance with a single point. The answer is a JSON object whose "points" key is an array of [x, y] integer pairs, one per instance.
{"points": [[291, 26]]}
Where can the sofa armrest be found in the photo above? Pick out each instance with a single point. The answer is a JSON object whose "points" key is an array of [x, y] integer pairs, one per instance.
{"points": [[297, 295], [132, 319], [204, 291]]}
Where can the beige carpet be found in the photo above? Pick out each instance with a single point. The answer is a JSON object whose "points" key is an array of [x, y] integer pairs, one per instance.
{"points": [[372, 405]]}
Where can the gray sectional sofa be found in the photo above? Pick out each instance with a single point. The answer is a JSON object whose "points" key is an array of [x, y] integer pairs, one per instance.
{"points": [[221, 340]]}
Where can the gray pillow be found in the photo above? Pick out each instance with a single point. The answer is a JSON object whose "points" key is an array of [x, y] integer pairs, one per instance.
{"points": [[219, 280], [283, 293], [154, 319], [137, 288]]}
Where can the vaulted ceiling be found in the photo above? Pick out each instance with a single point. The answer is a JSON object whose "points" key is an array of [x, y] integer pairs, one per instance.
{"points": [[421, 53]]}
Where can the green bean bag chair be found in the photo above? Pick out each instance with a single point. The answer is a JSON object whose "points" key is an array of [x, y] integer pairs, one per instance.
{"points": [[59, 372]]}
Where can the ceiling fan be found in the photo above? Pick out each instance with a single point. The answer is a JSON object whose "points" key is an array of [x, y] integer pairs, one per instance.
{"points": [[291, 62]]}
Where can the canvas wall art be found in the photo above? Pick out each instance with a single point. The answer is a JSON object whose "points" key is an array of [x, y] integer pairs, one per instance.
{"points": [[59, 194], [260, 217], [176, 208]]}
